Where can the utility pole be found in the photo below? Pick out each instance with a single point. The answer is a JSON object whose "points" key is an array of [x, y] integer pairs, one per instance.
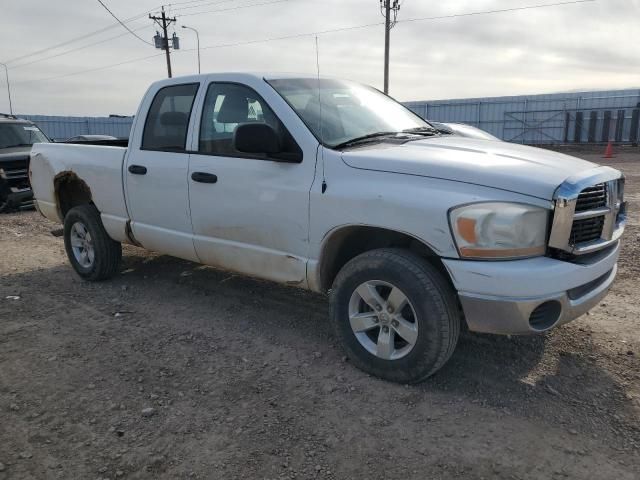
{"points": [[6, 74], [163, 42], [388, 8]]}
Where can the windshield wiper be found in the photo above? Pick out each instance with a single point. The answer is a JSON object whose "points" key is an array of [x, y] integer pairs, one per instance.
{"points": [[422, 131], [363, 138]]}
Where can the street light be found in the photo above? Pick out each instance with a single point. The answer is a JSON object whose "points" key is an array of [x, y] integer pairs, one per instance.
{"points": [[6, 74], [197, 41]]}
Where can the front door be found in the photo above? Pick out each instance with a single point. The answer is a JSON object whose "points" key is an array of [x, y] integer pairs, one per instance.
{"points": [[255, 218], [156, 174]]}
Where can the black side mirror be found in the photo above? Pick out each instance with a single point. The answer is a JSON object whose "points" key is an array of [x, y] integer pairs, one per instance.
{"points": [[256, 138]]}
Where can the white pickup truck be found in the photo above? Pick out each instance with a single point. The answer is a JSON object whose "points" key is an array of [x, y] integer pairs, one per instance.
{"points": [[334, 187]]}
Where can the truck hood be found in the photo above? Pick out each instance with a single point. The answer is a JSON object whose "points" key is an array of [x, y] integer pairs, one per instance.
{"points": [[506, 166]]}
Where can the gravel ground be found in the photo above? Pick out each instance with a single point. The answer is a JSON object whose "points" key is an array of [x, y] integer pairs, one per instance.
{"points": [[174, 370]]}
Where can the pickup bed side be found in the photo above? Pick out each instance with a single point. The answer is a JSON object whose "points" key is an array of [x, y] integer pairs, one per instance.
{"points": [[66, 175]]}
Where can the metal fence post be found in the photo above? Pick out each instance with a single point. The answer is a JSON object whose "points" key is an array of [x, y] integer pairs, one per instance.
{"points": [[524, 120]]}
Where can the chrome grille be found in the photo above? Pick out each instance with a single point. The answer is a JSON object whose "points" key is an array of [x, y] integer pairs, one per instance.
{"points": [[589, 212], [592, 197], [586, 230]]}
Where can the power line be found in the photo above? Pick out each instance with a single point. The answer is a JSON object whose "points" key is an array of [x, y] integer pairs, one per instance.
{"points": [[81, 37], [322, 32], [501, 10], [205, 4], [122, 23], [139, 59], [196, 1], [82, 47], [102, 30], [232, 8], [377, 24]]}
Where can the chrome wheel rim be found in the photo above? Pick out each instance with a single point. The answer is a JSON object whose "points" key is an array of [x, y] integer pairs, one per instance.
{"points": [[82, 245], [383, 320]]}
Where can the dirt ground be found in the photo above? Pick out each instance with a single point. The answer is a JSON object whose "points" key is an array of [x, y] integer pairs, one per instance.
{"points": [[173, 370]]}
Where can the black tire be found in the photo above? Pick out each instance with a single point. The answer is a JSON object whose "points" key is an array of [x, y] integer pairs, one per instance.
{"points": [[433, 299], [108, 252]]}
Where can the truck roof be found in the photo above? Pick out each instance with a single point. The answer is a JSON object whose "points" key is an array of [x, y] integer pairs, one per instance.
{"points": [[238, 76]]}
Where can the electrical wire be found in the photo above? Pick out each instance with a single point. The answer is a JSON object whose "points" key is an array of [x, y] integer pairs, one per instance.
{"points": [[239, 7], [376, 24], [122, 23], [501, 10], [81, 37], [131, 19], [196, 1], [202, 4], [322, 32], [139, 59], [82, 47]]}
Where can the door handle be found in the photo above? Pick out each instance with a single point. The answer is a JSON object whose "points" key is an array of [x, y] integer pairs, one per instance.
{"points": [[137, 169], [203, 177]]}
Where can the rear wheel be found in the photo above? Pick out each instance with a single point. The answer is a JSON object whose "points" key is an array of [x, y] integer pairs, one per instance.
{"points": [[92, 253], [395, 314]]}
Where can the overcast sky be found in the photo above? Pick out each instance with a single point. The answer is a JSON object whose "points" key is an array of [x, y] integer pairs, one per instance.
{"points": [[566, 48]]}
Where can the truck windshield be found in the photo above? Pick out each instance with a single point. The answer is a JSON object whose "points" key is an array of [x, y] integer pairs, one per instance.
{"points": [[20, 135], [338, 112]]}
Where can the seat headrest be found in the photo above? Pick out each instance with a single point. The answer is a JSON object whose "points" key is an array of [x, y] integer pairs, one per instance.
{"points": [[174, 119], [234, 109]]}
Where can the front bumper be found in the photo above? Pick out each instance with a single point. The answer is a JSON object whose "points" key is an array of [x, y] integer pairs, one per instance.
{"points": [[16, 199], [532, 295]]}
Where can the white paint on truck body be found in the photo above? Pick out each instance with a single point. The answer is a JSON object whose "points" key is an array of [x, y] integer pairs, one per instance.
{"points": [[272, 219], [255, 219], [100, 167]]}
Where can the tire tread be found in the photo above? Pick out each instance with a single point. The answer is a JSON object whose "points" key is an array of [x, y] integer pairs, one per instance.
{"points": [[108, 251], [431, 280]]}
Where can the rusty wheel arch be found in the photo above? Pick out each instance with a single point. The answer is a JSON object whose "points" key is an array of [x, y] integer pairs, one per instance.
{"points": [[70, 191]]}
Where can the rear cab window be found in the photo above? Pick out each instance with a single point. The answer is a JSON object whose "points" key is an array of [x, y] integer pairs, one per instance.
{"points": [[167, 121]]}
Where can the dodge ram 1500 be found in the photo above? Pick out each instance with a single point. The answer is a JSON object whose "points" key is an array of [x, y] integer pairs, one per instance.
{"points": [[334, 187]]}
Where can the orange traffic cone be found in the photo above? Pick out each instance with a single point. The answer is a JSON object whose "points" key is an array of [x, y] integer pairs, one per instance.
{"points": [[608, 153]]}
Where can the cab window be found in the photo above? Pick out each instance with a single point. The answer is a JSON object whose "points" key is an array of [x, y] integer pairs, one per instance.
{"points": [[167, 121], [228, 105]]}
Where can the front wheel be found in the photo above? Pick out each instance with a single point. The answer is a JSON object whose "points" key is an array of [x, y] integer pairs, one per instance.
{"points": [[395, 314], [92, 253]]}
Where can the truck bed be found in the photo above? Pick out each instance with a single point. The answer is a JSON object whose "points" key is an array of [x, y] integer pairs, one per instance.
{"points": [[98, 167]]}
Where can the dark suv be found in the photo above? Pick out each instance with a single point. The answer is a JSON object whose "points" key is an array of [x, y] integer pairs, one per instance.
{"points": [[16, 137]]}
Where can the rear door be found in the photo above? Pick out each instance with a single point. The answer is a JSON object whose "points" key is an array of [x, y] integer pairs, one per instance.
{"points": [[156, 173], [254, 216]]}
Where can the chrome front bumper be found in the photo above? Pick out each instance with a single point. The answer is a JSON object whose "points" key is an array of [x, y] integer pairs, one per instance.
{"points": [[530, 296]]}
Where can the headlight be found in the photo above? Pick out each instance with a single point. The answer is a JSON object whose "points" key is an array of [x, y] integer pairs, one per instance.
{"points": [[498, 230]]}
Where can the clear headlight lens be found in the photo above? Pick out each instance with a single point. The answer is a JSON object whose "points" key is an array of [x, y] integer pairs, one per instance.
{"points": [[499, 230]]}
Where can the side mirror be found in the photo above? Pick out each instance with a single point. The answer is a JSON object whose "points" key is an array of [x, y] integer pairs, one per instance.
{"points": [[256, 138]]}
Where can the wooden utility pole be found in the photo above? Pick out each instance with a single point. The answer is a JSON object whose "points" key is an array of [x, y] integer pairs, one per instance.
{"points": [[388, 8], [387, 38], [164, 22]]}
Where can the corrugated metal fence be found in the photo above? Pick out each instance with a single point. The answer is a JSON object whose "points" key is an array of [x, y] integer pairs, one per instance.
{"points": [[585, 117], [61, 128]]}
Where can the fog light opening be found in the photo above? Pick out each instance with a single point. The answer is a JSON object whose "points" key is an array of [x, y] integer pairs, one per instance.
{"points": [[545, 315]]}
